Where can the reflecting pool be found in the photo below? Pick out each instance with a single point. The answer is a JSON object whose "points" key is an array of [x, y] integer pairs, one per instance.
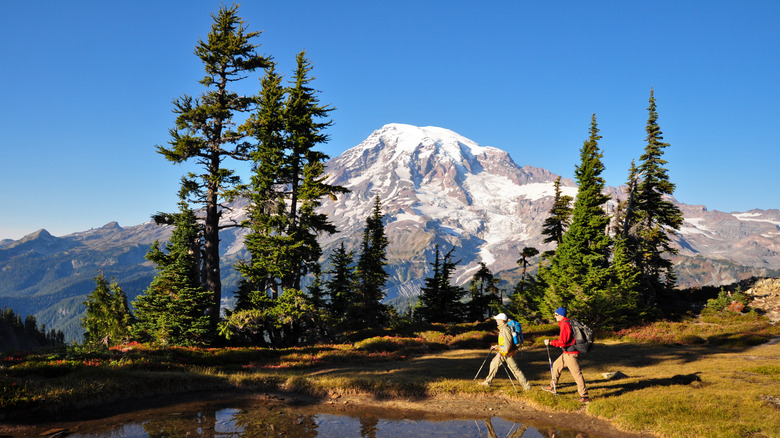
{"points": [[246, 418]]}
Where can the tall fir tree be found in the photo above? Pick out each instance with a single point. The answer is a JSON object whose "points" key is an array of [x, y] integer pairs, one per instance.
{"points": [[371, 274], [527, 293], [305, 167], [485, 294], [108, 320], [439, 301], [173, 310], [206, 131], [526, 255], [556, 224], [655, 216], [580, 267], [268, 242]]}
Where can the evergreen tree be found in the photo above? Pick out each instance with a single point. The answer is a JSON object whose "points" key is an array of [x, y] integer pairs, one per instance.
{"points": [[341, 286], [655, 216], [556, 224], [317, 292], [269, 244], [370, 271], [525, 255], [621, 304], [439, 301], [306, 171], [107, 320], [580, 267], [527, 292], [485, 294], [206, 131], [286, 189], [526, 299], [626, 215], [174, 308]]}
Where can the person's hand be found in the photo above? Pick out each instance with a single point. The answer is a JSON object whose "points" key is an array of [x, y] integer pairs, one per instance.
{"points": [[546, 342], [492, 347]]}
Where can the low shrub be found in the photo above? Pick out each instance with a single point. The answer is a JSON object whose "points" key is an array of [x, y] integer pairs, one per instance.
{"points": [[434, 337], [475, 340], [390, 343]]}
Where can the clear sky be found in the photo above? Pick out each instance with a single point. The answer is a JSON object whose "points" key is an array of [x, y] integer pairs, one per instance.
{"points": [[87, 88]]}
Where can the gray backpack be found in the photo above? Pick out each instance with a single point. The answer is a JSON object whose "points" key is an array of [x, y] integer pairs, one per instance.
{"points": [[583, 336]]}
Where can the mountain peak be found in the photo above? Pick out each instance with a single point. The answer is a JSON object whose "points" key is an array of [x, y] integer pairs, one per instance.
{"points": [[405, 140], [113, 225], [40, 234], [40, 241]]}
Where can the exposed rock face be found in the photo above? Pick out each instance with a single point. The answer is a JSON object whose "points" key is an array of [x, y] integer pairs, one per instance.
{"points": [[765, 294]]}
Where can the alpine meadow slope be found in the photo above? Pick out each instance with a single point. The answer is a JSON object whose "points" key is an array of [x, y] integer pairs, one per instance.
{"points": [[434, 186]]}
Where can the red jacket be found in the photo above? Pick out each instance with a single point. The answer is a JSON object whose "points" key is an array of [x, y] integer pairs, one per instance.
{"points": [[566, 338]]}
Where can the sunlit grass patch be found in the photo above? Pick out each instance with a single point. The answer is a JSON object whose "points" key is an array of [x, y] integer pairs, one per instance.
{"points": [[772, 371], [565, 401], [453, 386], [683, 412]]}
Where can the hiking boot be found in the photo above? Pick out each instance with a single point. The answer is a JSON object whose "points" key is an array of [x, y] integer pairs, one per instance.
{"points": [[484, 383], [584, 400], [549, 389]]}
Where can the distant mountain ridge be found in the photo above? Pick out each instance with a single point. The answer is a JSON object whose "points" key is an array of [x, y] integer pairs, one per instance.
{"points": [[434, 186]]}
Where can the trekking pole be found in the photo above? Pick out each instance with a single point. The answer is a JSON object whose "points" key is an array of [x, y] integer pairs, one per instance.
{"points": [[552, 377], [483, 364], [510, 378], [479, 430]]}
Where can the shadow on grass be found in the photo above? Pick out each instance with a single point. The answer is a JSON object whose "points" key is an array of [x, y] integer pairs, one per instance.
{"points": [[619, 388]]}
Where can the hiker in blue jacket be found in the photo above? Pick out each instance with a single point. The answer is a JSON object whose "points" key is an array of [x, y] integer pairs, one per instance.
{"points": [[506, 349]]}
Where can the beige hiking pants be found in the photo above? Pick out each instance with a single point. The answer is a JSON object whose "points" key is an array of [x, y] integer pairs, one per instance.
{"points": [[495, 364], [569, 361]]}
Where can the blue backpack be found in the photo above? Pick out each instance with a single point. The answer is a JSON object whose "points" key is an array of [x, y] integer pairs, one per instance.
{"points": [[517, 332]]}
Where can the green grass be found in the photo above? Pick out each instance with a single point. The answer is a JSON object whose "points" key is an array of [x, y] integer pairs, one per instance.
{"points": [[707, 377]]}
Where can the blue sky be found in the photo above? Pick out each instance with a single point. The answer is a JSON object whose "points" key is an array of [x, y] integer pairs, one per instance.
{"points": [[87, 88]]}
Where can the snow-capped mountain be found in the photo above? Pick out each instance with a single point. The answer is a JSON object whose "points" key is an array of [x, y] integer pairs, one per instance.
{"points": [[434, 187]]}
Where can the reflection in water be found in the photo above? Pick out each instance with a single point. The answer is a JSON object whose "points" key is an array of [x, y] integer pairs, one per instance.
{"points": [[280, 421]]}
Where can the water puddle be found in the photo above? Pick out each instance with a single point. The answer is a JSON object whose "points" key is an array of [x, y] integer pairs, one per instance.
{"points": [[253, 418]]}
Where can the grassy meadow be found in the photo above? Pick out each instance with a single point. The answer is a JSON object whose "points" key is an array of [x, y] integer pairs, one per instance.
{"points": [[709, 376]]}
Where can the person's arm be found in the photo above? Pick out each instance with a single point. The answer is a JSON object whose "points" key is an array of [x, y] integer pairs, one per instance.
{"points": [[566, 338]]}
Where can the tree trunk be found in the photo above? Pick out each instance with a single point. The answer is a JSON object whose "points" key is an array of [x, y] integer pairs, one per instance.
{"points": [[211, 247]]}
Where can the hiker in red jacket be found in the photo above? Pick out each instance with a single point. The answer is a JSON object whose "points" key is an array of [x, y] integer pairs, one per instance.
{"points": [[569, 357]]}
